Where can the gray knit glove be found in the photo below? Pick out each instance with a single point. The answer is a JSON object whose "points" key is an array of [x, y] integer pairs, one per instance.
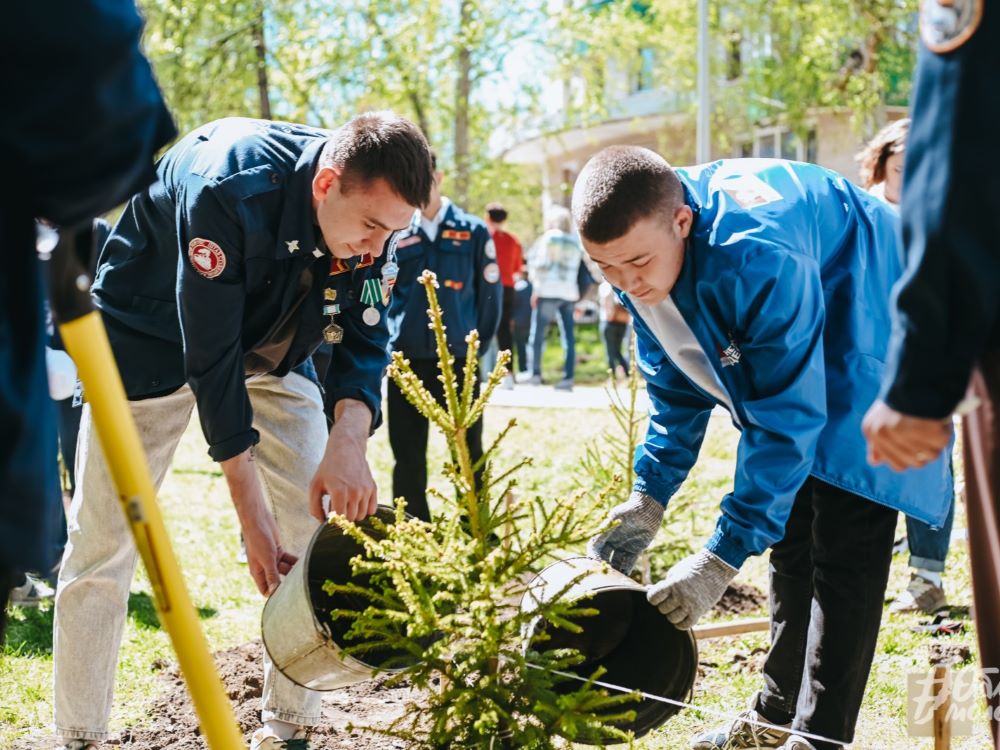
{"points": [[692, 587], [638, 519]]}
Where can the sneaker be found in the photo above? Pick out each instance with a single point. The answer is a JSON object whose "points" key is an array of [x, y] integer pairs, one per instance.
{"points": [[31, 593], [535, 380], [507, 383], [743, 732], [78, 745], [566, 384], [798, 743], [265, 739], [920, 596]]}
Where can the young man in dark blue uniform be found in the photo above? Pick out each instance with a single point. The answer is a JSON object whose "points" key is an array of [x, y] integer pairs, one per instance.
{"points": [[946, 334], [457, 247], [762, 286], [260, 240], [83, 119]]}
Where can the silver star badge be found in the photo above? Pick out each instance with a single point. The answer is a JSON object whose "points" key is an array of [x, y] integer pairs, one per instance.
{"points": [[292, 246]]}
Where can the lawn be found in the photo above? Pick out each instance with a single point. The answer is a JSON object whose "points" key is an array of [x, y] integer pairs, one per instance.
{"points": [[203, 528]]}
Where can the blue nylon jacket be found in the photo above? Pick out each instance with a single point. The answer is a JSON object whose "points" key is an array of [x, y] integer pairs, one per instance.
{"points": [[464, 259], [785, 286], [211, 261]]}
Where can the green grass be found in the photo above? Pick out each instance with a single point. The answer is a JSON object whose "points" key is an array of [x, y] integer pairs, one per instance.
{"points": [[591, 358], [204, 532]]}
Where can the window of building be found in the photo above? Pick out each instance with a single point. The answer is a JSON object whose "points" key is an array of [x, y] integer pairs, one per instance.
{"points": [[734, 56], [775, 142], [642, 78]]}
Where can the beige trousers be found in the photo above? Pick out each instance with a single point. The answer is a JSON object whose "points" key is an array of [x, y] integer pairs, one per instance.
{"points": [[100, 557]]}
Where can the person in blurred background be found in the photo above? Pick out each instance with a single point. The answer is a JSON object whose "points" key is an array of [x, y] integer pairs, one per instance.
{"points": [[881, 173], [510, 261], [554, 265]]}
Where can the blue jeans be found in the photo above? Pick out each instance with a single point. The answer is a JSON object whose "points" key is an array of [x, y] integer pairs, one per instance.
{"points": [[545, 311], [929, 547]]}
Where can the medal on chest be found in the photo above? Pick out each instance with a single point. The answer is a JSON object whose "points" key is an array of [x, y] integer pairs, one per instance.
{"points": [[389, 273], [371, 294], [333, 333]]}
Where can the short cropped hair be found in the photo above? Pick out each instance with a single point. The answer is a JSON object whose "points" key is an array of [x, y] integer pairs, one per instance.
{"points": [[888, 141], [618, 187], [382, 145]]}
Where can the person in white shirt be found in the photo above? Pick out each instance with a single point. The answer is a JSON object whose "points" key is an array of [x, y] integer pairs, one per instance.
{"points": [[554, 265]]}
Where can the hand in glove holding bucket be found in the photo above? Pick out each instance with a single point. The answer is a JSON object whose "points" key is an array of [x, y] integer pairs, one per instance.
{"points": [[690, 588]]}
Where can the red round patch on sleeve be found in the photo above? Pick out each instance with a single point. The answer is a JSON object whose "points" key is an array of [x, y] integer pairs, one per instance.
{"points": [[206, 257]]}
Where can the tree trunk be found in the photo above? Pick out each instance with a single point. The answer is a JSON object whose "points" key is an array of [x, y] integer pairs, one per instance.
{"points": [[261, 49], [463, 88]]}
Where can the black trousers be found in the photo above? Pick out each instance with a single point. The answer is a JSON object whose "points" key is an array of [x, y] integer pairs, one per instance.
{"points": [[408, 433], [9, 578], [505, 330], [828, 579]]}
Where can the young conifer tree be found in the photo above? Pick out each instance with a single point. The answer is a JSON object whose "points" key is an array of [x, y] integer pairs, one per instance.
{"points": [[608, 463], [445, 595]]}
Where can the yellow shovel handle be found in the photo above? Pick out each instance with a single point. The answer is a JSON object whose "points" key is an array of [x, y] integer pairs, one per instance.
{"points": [[87, 343]]}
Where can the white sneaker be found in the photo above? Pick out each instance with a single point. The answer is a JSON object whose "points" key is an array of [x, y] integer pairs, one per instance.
{"points": [[507, 383], [31, 593], [798, 743], [921, 595], [743, 732], [265, 739]]}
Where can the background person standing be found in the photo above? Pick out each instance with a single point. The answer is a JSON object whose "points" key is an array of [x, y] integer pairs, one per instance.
{"points": [[881, 173], [510, 260], [458, 248], [554, 266]]}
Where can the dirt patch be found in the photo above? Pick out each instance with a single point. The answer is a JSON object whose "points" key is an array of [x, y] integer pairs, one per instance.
{"points": [[949, 653], [173, 725], [741, 599]]}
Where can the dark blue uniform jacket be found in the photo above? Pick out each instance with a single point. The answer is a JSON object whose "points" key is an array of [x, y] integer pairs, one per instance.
{"points": [[948, 301], [82, 119], [211, 266], [464, 259]]}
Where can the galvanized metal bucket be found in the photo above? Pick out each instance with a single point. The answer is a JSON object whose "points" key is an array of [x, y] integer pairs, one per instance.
{"points": [[628, 636], [301, 637]]}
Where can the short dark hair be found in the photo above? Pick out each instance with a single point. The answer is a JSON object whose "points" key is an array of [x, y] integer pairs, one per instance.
{"points": [[382, 145], [619, 186], [497, 213]]}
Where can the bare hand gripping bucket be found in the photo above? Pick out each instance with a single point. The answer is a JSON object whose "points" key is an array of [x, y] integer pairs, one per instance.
{"points": [[303, 640], [629, 637]]}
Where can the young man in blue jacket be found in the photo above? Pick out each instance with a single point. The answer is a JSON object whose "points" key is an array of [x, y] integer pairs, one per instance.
{"points": [[259, 241], [457, 247], [762, 286]]}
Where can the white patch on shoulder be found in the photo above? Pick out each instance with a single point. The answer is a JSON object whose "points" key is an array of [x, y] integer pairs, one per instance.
{"points": [[748, 190], [490, 250]]}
